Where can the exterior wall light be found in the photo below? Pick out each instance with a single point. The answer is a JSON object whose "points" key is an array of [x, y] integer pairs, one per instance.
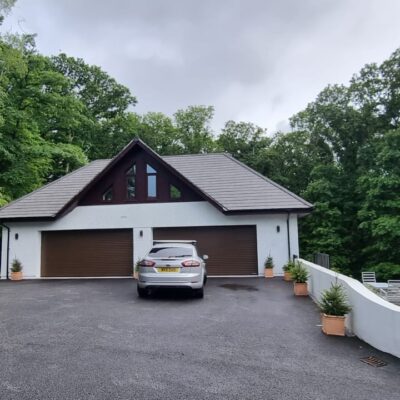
{"points": [[16, 236], [141, 233], [278, 228]]}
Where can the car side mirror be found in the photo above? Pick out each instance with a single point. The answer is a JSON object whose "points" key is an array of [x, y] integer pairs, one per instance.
{"points": [[205, 257]]}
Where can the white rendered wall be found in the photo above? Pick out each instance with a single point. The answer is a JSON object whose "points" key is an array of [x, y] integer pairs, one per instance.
{"points": [[372, 319], [143, 217]]}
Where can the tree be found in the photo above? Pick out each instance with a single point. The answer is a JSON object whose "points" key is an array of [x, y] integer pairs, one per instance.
{"points": [[246, 142], [104, 102], [379, 215], [292, 157], [194, 131]]}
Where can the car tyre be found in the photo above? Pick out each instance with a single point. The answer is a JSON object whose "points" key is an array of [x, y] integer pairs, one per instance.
{"points": [[142, 292], [199, 293]]}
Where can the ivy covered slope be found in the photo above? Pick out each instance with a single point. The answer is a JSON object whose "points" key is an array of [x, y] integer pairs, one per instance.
{"points": [[343, 153]]}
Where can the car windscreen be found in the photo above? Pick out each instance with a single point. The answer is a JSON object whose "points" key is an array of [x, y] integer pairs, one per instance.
{"points": [[171, 252]]}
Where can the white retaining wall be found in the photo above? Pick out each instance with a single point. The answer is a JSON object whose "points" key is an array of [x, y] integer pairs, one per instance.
{"points": [[372, 319]]}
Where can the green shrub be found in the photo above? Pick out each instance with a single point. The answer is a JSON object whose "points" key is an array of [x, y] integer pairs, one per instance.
{"points": [[269, 262], [288, 267], [385, 271], [16, 266], [299, 273], [334, 301]]}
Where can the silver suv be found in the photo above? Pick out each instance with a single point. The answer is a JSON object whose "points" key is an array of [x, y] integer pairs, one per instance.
{"points": [[172, 264]]}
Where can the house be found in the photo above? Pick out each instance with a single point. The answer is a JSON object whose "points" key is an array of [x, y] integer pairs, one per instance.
{"points": [[98, 220]]}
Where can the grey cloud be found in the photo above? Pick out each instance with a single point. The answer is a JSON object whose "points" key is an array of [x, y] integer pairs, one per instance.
{"points": [[253, 60]]}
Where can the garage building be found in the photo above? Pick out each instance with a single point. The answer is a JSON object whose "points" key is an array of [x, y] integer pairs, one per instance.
{"points": [[100, 219]]}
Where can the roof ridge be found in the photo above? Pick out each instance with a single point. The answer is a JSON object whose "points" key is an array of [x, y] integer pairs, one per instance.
{"points": [[269, 180], [192, 155], [46, 185]]}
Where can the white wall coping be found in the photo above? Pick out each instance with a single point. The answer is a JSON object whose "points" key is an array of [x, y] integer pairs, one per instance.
{"points": [[372, 319]]}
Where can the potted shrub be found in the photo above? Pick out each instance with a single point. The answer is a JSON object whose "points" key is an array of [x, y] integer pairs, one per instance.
{"points": [[300, 276], [16, 270], [136, 270], [287, 276], [334, 307], [269, 267]]}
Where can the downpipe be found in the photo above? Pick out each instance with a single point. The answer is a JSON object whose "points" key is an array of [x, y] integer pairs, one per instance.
{"points": [[288, 236], [7, 252]]}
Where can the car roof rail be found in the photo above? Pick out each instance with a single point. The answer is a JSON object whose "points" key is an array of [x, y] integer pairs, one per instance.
{"points": [[175, 241]]}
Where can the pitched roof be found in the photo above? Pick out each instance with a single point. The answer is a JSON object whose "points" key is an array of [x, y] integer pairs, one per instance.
{"points": [[234, 185], [225, 182], [49, 200]]}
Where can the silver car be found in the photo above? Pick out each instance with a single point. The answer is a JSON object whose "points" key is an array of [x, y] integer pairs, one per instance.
{"points": [[172, 264]]}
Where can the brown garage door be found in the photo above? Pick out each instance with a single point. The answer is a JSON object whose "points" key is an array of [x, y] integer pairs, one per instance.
{"points": [[232, 250], [87, 253]]}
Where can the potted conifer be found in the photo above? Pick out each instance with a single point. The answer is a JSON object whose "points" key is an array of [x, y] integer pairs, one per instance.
{"points": [[16, 270], [300, 277], [287, 276], [334, 307], [269, 267]]}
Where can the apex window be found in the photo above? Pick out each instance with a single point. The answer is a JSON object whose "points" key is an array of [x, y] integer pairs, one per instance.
{"points": [[108, 195], [151, 181], [131, 182], [174, 193]]}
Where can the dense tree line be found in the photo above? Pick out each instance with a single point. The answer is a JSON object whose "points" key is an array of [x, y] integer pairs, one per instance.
{"points": [[343, 153]]}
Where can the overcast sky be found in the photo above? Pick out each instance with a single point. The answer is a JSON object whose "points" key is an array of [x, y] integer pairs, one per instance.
{"points": [[254, 60]]}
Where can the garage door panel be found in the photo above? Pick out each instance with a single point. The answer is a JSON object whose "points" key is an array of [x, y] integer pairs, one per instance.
{"points": [[87, 253], [232, 250]]}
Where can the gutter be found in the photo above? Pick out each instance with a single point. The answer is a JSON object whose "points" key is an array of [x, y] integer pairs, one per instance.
{"points": [[288, 235], [8, 250]]}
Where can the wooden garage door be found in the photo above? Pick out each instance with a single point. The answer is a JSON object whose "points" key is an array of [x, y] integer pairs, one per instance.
{"points": [[87, 253], [232, 250]]}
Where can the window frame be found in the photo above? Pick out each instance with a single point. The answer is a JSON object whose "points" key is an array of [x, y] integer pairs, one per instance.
{"points": [[171, 185], [149, 174], [130, 175]]}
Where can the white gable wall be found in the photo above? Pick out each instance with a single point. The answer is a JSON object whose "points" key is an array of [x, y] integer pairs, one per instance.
{"points": [[143, 217]]}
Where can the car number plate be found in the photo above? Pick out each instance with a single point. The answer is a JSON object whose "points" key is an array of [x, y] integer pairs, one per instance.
{"points": [[168, 269]]}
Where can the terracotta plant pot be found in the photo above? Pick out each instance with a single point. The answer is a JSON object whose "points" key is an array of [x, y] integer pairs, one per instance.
{"points": [[300, 289], [268, 272], [16, 276], [136, 275], [333, 325], [287, 276]]}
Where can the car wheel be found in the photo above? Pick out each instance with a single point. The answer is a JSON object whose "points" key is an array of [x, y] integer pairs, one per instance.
{"points": [[141, 292], [199, 293], [205, 279]]}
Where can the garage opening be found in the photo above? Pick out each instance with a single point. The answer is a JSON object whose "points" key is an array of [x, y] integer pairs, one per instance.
{"points": [[87, 253], [232, 250]]}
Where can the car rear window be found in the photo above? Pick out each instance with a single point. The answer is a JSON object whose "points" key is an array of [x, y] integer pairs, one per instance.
{"points": [[171, 252]]}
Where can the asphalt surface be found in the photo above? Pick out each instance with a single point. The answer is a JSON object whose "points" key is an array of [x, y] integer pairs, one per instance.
{"points": [[94, 339]]}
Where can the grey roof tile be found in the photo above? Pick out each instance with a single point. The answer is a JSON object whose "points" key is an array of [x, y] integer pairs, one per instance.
{"points": [[233, 185], [48, 200]]}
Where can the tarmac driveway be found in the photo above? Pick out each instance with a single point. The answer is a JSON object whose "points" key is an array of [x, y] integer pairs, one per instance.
{"points": [[247, 339]]}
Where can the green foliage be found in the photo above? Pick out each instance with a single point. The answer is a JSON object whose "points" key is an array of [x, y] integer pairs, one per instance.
{"points": [[246, 142], [16, 265], [385, 271], [269, 263], [289, 266], [334, 301], [299, 273], [194, 131]]}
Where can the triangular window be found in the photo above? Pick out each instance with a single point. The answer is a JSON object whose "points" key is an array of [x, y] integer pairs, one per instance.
{"points": [[108, 194], [174, 193]]}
